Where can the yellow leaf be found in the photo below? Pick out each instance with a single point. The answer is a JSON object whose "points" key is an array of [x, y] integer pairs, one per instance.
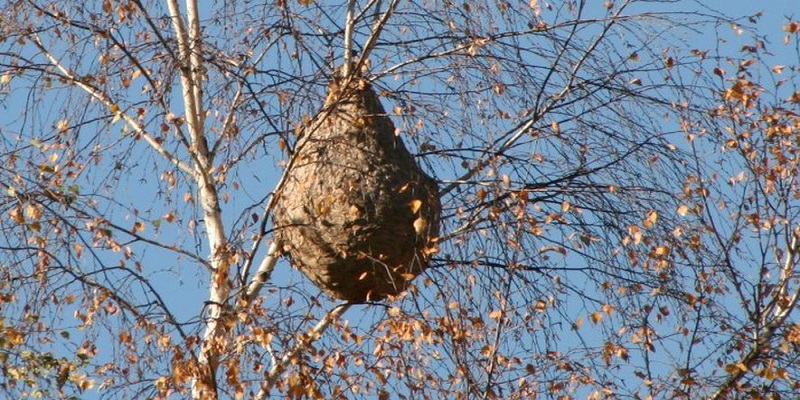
{"points": [[735, 368], [85, 384], [499, 88], [651, 219], [32, 211], [661, 251], [595, 317], [137, 227], [415, 205], [683, 209], [17, 215], [635, 233], [114, 108]]}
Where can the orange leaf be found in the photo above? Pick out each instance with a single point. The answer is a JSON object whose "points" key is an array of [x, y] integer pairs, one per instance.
{"points": [[734, 368], [415, 205], [651, 219]]}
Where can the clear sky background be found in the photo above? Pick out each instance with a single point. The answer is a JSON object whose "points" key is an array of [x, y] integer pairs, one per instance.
{"points": [[184, 287]]}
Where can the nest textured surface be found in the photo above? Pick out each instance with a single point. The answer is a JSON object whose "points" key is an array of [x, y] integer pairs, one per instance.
{"points": [[356, 214]]}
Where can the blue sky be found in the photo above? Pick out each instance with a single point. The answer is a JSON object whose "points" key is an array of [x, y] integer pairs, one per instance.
{"points": [[184, 286]]}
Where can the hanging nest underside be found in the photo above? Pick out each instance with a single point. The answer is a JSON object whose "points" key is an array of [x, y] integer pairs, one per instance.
{"points": [[356, 214]]}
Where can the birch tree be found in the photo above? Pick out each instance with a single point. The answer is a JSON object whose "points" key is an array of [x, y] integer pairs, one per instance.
{"points": [[619, 203]]}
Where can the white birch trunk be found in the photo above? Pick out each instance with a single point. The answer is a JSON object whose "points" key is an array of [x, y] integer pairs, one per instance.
{"points": [[192, 75]]}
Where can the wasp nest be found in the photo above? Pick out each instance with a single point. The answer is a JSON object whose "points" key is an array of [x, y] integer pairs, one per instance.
{"points": [[356, 214]]}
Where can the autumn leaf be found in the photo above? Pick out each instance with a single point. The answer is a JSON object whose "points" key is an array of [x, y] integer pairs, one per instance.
{"points": [[651, 219], [792, 27], [661, 251], [415, 205], [736, 368]]}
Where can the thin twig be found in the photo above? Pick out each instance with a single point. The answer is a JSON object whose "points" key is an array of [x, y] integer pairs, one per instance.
{"points": [[779, 312], [376, 33], [104, 99], [303, 341]]}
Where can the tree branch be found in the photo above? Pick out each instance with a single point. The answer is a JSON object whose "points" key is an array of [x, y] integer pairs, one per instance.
{"points": [[192, 72], [303, 342], [779, 311], [106, 100], [348, 37], [376, 33], [264, 271]]}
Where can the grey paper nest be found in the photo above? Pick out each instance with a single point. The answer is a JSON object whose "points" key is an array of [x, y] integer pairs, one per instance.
{"points": [[356, 214]]}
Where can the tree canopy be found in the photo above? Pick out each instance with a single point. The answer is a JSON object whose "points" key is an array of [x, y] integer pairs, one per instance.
{"points": [[618, 181]]}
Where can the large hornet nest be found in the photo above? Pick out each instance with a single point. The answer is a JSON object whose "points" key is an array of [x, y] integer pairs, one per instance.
{"points": [[356, 214]]}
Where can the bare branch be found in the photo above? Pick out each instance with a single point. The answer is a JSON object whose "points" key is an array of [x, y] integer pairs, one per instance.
{"points": [[263, 273], [106, 100], [348, 37], [376, 33]]}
